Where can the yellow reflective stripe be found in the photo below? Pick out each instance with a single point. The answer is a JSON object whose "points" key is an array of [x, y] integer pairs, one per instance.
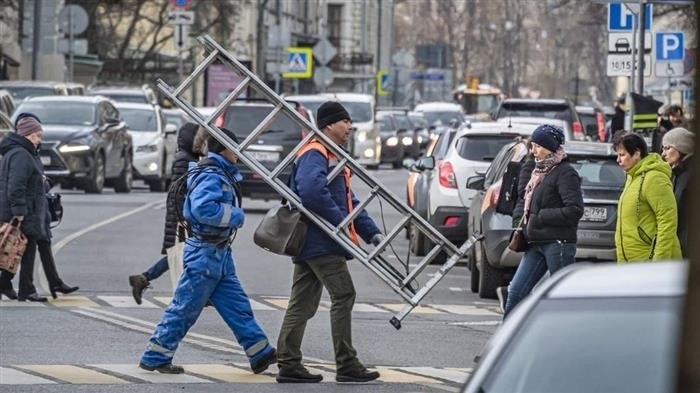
{"points": [[645, 116], [257, 347], [644, 125]]}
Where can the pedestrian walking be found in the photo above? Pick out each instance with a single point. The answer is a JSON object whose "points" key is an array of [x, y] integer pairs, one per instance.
{"points": [[552, 207], [323, 262], [186, 154], [678, 148], [22, 197], [617, 122], [647, 217], [213, 213]]}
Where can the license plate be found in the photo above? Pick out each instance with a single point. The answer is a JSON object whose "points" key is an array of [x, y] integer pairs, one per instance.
{"points": [[45, 160], [595, 214], [265, 156]]}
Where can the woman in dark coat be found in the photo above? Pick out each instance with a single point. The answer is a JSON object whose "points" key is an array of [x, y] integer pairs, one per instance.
{"points": [[186, 153], [678, 147], [553, 205]]}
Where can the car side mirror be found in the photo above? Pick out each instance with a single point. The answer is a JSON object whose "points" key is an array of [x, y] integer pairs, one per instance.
{"points": [[408, 163], [170, 129], [425, 163], [476, 182]]}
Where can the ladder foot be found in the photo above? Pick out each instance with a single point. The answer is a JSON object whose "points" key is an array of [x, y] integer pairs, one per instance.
{"points": [[395, 323]]}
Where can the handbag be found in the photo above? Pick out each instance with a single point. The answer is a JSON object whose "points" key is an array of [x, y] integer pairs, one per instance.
{"points": [[55, 208], [12, 245], [517, 241], [282, 231]]}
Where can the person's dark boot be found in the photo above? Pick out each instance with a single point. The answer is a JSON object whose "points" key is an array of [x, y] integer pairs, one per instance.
{"points": [[63, 288], [265, 362], [164, 369], [138, 283], [297, 375], [9, 293], [361, 374], [32, 297]]}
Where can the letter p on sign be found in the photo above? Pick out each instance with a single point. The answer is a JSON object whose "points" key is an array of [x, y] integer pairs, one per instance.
{"points": [[669, 46]]}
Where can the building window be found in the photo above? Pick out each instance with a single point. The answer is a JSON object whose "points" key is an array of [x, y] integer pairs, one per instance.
{"points": [[335, 14]]}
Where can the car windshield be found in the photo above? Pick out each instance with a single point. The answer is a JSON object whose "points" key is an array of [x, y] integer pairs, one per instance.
{"points": [[589, 122], [443, 118], [402, 122], [242, 119], [386, 125], [481, 147], [140, 119], [61, 112], [310, 105], [598, 172], [591, 345], [21, 92], [535, 109], [419, 121], [360, 112], [136, 99]]}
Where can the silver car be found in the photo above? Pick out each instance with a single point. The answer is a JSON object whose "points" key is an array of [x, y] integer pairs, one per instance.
{"points": [[590, 328]]}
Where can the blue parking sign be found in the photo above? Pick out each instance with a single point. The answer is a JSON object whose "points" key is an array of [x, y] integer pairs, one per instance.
{"points": [[620, 18], [669, 46]]}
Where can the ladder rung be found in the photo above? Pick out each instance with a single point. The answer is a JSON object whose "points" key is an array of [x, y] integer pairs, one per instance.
{"points": [[339, 167], [197, 71], [422, 264], [358, 209], [380, 247], [261, 127], [229, 99], [291, 156]]}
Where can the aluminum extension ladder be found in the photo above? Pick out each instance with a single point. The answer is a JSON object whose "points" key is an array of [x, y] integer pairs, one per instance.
{"points": [[373, 259]]}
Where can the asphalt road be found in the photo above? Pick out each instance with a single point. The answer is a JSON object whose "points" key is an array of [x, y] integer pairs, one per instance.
{"points": [[91, 341]]}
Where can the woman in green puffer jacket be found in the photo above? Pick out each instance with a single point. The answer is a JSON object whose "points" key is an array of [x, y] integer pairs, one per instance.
{"points": [[647, 215]]}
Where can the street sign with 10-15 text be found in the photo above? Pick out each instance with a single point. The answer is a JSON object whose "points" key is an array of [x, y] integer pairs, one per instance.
{"points": [[621, 65]]}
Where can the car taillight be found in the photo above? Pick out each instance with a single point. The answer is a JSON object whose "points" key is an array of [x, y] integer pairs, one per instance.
{"points": [[600, 121], [219, 121], [450, 221], [578, 131], [447, 175]]}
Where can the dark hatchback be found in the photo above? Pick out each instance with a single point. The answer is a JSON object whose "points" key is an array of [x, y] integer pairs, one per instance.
{"points": [[392, 148], [602, 181], [85, 142], [275, 143]]}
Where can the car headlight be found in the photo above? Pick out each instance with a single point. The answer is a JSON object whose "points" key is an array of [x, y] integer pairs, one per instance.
{"points": [[420, 139], [407, 141], [392, 141], [361, 136], [147, 148], [73, 148]]}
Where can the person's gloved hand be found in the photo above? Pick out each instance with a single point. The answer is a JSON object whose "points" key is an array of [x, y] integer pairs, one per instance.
{"points": [[376, 239]]}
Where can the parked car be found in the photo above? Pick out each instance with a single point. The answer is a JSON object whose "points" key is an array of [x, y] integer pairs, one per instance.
{"points": [[392, 150], [140, 95], [75, 89], [155, 143], [21, 90], [365, 145], [275, 143], [492, 262], [622, 324], [559, 109], [7, 103], [537, 121], [85, 143], [593, 120], [441, 115], [176, 117]]}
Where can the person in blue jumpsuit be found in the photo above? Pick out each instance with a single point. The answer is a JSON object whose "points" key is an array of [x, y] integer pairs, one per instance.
{"points": [[213, 213]]}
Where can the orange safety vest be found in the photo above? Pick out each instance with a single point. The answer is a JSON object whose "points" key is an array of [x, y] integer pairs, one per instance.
{"points": [[316, 145]]}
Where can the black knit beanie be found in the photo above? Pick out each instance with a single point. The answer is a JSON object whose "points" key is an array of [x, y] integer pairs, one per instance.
{"points": [[213, 144], [330, 112]]}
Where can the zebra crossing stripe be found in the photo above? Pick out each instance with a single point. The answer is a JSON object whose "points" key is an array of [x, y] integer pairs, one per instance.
{"points": [[396, 307], [228, 373], [452, 375], [73, 302], [133, 370], [74, 374], [9, 376], [464, 310], [395, 375], [126, 302], [15, 303]]}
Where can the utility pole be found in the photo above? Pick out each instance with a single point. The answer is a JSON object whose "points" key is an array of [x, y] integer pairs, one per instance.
{"points": [[36, 38], [641, 21], [260, 42], [278, 49], [379, 49]]}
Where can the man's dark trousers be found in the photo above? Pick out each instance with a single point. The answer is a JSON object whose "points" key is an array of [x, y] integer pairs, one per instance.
{"points": [[310, 277]]}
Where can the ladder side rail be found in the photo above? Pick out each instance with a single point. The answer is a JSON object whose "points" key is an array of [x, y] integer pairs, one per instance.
{"points": [[195, 74], [291, 156], [422, 264], [357, 210], [271, 117], [336, 170], [379, 260], [229, 99], [388, 238]]}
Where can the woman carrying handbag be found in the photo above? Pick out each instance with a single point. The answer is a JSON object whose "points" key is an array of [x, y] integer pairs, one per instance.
{"points": [[553, 205]]}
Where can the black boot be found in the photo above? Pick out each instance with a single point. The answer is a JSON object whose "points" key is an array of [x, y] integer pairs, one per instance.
{"points": [[9, 293], [63, 288], [138, 283], [32, 297], [358, 375], [297, 375], [164, 369]]}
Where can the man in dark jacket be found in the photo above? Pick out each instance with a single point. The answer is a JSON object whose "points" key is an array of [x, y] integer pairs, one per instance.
{"points": [[24, 199], [617, 122], [185, 155], [323, 262]]}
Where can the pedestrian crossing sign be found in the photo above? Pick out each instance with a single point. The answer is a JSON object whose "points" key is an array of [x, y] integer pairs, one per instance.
{"points": [[299, 63]]}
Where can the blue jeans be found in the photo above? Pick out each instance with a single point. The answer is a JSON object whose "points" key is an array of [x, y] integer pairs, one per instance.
{"points": [[539, 258], [157, 269]]}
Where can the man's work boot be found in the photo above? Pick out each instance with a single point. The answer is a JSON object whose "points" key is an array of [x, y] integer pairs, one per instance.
{"points": [[164, 369], [261, 363], [357, 375], [138, 283], [297, 375]]}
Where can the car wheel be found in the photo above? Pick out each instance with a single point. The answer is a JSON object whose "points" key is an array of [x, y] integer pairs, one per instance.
{"points": [[416, 241], [490, 278], [126, 177], [95, 183]]}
